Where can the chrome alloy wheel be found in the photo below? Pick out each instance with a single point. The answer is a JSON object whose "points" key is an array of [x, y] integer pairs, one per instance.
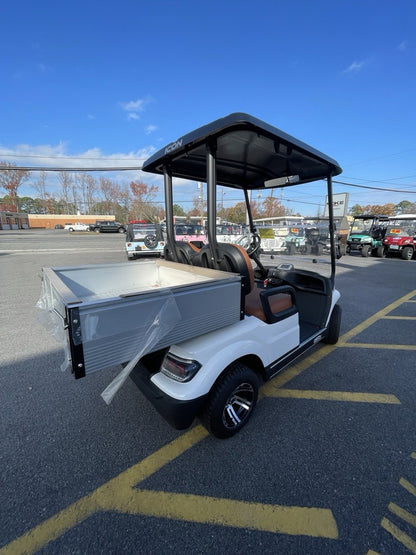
{"points": [[238, 405]]}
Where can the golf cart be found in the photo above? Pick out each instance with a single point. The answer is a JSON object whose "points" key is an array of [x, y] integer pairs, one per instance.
{"points": [[400, 237], [296, 240], [283, 311], [144, 239], [204, 327], [366, 235]]}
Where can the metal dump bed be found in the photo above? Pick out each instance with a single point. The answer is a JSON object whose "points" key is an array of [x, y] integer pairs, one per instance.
{"points": [[108, 310]]}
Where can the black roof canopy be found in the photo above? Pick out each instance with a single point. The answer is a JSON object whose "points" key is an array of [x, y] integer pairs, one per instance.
{"points": [[249, 155]]}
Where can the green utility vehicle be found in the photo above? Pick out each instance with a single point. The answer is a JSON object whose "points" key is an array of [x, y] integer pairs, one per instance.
{"points": [[366, 235], [296, 240]]}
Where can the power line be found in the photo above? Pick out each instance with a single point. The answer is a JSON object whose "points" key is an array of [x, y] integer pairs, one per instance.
{"points": [[46, 169], [6, 155], [375, 188]]}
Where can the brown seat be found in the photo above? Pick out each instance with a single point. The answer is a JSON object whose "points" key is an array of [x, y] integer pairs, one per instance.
{"points": [[278, 303]]}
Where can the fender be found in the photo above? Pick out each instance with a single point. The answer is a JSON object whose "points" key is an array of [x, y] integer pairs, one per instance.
{"points": [[216, 351]]}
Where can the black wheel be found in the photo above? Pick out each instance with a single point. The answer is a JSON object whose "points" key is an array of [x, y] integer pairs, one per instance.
{"points": [[407, 253], [121, 230], [347, 249], [319, 249], [291, 249], [70, 229], [231, 401], [381, 253], [366, 250], [334, 326], [150, 241]]}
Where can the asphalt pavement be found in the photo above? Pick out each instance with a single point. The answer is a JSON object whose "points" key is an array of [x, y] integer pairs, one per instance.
{"points": [[326, 465]]}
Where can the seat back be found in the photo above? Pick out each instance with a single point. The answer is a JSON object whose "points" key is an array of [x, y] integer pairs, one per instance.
{"points": [[184, 251], [231, 258]]}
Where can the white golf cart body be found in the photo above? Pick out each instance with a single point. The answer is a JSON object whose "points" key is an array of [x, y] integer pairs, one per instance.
{"points": [[220, 322]]}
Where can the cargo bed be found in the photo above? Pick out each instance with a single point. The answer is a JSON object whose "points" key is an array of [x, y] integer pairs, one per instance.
{"points": [[113, 311]]}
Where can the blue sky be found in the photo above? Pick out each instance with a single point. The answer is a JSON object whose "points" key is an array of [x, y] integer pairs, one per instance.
{"points": [[92, 83]]}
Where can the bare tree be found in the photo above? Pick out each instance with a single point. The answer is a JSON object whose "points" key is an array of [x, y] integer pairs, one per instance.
{"points": [[143, 205], [65, 180], [91, 192], [11, 179], [40, 186]]}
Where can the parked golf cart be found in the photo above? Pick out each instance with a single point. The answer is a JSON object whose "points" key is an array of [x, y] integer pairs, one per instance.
{"points": [[283, 311], [318, 237], [201, 330], [144, 239], [366, 235], [296, 240], [400, 237]]}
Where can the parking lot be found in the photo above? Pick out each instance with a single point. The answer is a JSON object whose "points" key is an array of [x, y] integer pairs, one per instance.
{"points": [[326, 465]]}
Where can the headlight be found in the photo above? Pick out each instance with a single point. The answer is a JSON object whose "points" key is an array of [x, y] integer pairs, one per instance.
{"points": [[179, 369]]}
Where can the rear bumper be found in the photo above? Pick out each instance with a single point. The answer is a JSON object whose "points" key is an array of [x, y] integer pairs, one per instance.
{"points": [[179, 414]]}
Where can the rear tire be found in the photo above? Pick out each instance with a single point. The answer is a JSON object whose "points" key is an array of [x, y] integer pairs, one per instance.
{"points": [[231, 402], [334, 326]]}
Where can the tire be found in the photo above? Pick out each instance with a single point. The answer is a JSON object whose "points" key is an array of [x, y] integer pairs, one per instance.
{"points": [[366, 250], [150, 241], [70, 230], [319, 249], [231, 402], [407, 253], [381, 253], [334, 326], [121, 230]]}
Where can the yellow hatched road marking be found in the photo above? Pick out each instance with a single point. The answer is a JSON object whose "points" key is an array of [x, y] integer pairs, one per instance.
{"points": [[118, 495], [399, 535], [408, 486], [356, 397], [404, 515]]}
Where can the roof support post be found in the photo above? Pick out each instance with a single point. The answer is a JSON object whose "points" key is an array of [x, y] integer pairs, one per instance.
{"points": [[212, 201], [331, 228], [170, 231]]}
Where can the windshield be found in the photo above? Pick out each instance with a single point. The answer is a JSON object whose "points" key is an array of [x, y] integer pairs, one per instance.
{"points": [[193, 229], [402, 229], [362, 227], [297, 231]]}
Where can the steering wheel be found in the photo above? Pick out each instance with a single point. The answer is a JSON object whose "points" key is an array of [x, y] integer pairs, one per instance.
{"points": [[251, 243]]}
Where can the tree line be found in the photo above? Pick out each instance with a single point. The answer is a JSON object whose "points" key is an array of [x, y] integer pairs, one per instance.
{"points": [[83, 193]]}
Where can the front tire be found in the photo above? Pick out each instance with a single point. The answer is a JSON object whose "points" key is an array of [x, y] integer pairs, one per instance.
{"points": [[407, 253], [231, 402], [366, 250]]}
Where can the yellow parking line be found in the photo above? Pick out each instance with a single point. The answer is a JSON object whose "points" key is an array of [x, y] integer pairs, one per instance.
{"points": [[378, 346], [408, 486], [399, 318], [404, 515], [349, 396], [399, 535], [307, 521]]}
